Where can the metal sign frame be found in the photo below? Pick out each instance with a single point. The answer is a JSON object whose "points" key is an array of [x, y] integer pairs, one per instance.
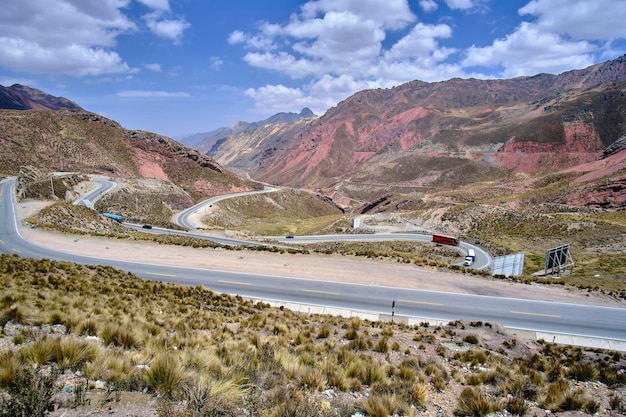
{"points": [[558, 260]]}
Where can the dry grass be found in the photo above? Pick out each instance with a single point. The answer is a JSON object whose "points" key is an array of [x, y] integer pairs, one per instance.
{"points": [[193, 345]]}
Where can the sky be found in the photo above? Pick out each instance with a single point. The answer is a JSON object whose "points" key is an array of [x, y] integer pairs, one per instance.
{"points": [[177, 67]]}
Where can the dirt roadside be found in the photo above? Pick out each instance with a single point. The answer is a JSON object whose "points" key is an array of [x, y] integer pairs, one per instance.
{"points": [[319, 267]]}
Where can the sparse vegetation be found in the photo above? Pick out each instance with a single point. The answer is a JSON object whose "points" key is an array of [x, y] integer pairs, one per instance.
{"points": [[214, 353]]}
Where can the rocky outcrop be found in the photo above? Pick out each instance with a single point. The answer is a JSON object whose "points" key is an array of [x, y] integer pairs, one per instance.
{"points": [[616, 147]]}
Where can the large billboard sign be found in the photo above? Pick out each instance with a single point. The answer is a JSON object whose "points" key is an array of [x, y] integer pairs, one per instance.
{"points": [[509, 265]]}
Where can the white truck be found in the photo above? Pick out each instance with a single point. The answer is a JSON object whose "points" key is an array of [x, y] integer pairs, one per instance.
{"points": [[470, 258]]}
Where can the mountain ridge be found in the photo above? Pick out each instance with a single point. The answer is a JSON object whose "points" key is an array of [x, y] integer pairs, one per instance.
{"points": [[206, 141], [523, 124], [21, 97]]}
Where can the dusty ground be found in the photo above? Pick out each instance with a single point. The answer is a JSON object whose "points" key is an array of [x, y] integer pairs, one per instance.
{"points": [[320, 267]]}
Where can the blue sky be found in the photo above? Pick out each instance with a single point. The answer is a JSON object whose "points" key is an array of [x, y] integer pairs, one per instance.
{"points": [[186, 66]]}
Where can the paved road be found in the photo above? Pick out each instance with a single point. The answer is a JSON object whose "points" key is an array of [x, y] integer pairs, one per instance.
{"points": [[187, 219], [592, 321]]}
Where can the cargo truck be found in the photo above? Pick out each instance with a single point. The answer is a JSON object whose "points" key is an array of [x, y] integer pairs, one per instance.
{"points": [[470, 258], [446, 240], [112, 216]]}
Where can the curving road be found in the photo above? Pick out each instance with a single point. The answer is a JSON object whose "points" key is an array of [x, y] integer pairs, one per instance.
{"points": [[572, 319]]}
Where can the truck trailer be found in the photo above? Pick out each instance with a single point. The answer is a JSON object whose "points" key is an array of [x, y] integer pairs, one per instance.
{"points": [[112, 216], [470, 258], [446, 240]]}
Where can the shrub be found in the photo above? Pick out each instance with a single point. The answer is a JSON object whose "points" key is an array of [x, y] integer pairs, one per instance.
{"points": [[39, 352], [30, 393], [382, 345], [311, 379], [554, 395], [88, 328], [205, 397], [471, 339], [324, 332]]}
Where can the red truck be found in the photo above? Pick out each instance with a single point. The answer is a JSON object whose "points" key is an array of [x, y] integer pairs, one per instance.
{"points": [[446, 240]]}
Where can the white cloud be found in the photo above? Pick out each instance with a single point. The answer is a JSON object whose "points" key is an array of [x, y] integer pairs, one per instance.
{"points": [[460, 4], [284, 63], [236, 36], [579, 19], [73, 59], [390, 14], [74, 37], [151, 94], [41, 22], [428, 5], [338, 47], [529, 51], [421, 41], [153, 67], [216, 63], [276, 97], [163, 5], [171, 29]]}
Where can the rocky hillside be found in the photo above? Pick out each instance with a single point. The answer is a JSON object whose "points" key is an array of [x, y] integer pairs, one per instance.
{"points": [[21, 97], [443, 134], [77, 140], [211, 142]]}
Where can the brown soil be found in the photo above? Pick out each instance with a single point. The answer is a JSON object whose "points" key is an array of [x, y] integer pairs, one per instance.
{"points": [[320, 267]]}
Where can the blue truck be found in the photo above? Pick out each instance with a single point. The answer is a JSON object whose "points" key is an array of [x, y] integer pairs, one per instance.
{"points": [[112, 216]]}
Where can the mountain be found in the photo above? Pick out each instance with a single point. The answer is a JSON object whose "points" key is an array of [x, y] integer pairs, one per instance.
{"points": [[443, 134], [77, 140], [21, 97], [209, 142]]}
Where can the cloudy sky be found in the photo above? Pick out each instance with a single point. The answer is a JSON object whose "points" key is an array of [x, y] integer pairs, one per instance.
{"points": [[188, 66]]}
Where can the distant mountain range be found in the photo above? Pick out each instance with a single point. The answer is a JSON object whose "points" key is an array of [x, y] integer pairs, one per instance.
{"points": [[206, 141], [437, 135], [21, 97], [414, 138]]}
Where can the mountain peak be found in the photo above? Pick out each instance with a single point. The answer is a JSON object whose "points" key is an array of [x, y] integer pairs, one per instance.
{"points": [[306, 112], [22, 97]]}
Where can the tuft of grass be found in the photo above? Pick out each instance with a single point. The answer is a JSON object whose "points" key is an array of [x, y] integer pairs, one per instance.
{"points": [[165, 375], [473, 402], [119, 336]]}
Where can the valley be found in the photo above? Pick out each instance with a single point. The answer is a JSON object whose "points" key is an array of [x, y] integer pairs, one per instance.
{"points": [[148, 324]]}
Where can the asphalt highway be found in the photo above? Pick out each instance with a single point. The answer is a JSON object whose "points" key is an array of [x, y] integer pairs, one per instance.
{"points": [[575, 319]]}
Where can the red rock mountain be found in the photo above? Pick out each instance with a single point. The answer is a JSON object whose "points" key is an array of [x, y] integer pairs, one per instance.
{"points": [[21, 97], [80, 141], [442, 134]]}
